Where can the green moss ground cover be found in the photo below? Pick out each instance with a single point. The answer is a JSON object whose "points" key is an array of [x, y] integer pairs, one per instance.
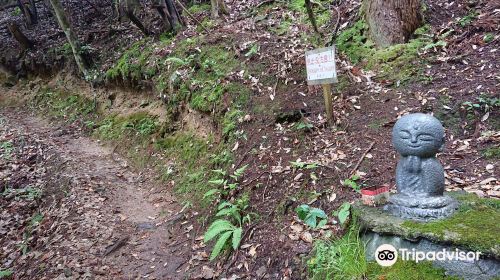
{"points": [[474, 226]]}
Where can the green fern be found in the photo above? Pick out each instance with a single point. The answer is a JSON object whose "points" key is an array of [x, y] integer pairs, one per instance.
{"points": [[225, 230], [217, 227], [228, 233]]}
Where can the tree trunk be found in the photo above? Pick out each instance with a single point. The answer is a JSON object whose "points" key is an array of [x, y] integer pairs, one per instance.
{"points": [[20, 37], [29, 11], [176, 21], [33, 11], [218, 6], [161, 7], [70, 36], [392, 21], [131, 5]]}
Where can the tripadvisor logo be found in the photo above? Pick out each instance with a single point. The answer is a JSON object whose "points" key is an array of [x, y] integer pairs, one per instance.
{"points": [[387, 255]]}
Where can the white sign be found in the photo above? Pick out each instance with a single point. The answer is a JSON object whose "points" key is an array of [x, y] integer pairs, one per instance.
{"points": [[320, 66]]}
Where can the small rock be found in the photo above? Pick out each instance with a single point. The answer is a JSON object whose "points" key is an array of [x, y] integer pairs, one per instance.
{"points": [[261, 271], [145, 226], [297, 228], [67, 272], [306, 237], [493, 193], [298, 176], [207, 273], [490, 167]]}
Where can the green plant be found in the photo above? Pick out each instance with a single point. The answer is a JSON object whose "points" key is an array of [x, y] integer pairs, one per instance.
{"points": [[399, 62], [352, 183], [29, 193], [313, 217], [483, 103], [440, 43], [342, 258], [253, 50], [34, 222], [16, 11], [5, 273], [303, 126], [299, 165], [7, 149], [492, 152], [488, 38], [466, 20], [224, 182], [343, 212], [229, 230]]}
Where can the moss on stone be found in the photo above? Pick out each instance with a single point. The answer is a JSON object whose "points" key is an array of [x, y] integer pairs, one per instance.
{"points": [[474, 226], [407, 270]]}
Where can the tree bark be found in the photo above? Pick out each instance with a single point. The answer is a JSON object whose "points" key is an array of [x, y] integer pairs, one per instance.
{"points": [[33, 11], [218, 6], [161, 7], [20, 37], [130, 7], [176, 20], [29, 11], [392, 21], [70, 36], [310, 14]]}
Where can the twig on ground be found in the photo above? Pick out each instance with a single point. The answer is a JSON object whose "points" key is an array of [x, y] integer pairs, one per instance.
{"points": [[336, 29], [361, 159], [256, 178], [264, 3], [244, 156], [118, 244], [192, 17]]}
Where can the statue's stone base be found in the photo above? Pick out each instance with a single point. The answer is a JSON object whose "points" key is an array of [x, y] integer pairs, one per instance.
{"points": [[480, 269], [421, 208], [475, 229]]}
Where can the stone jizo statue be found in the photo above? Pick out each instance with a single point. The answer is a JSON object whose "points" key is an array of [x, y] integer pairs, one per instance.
{"points": [[419, 175]]}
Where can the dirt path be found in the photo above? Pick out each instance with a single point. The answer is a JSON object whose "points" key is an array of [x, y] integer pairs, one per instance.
{"points": [[112, 223]]}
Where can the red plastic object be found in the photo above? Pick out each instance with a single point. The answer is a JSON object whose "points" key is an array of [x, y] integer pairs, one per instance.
{"points": [[374, 190]]}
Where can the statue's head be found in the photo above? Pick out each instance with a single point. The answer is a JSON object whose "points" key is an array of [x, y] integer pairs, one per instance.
{"points": [[418, 135]]}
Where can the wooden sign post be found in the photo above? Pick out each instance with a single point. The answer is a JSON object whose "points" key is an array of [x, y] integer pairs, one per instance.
{"points": [[320, 66]]}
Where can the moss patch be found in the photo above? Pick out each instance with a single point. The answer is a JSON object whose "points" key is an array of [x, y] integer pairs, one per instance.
{"points": [[491, 153], [195, 158], [114, 127], [199, 8], [133, 64], [407, 270], [474, 226], [63, 105], [396, 63]]}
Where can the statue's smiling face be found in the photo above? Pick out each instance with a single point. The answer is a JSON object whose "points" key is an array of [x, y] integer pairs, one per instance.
{"points": [[418, 135]]}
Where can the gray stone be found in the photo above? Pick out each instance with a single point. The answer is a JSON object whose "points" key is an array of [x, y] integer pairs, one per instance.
{"points": [[419, 175], [482, 269], [375, 219]]}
